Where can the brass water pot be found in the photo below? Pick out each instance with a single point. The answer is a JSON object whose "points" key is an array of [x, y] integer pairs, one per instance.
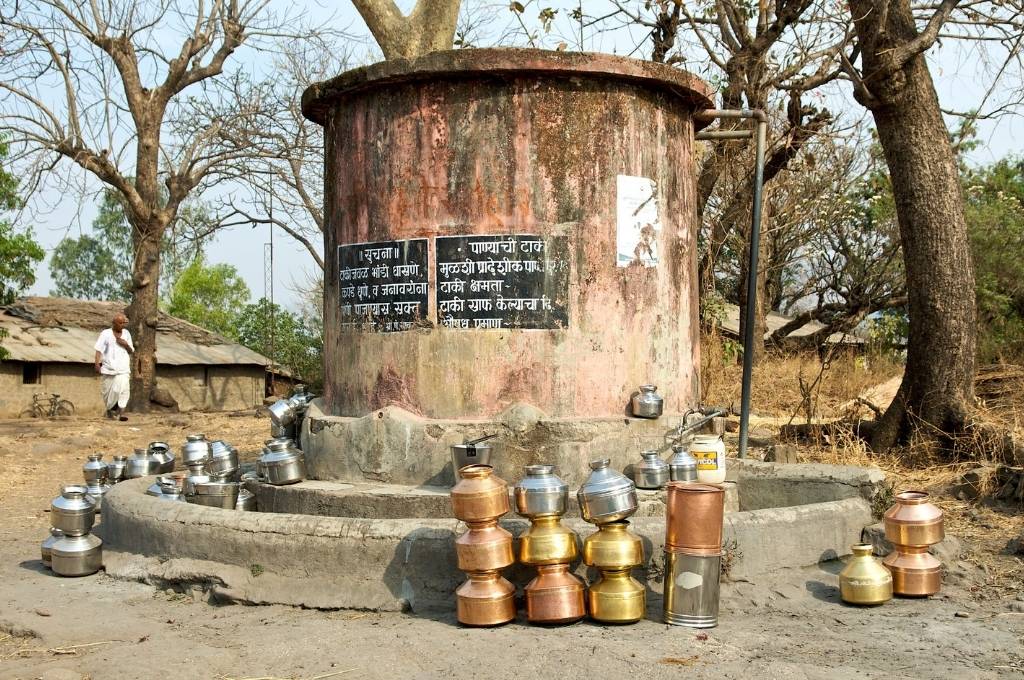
{"points": [[912, 520], [486, 599], [612, 546], [480, 495], [485, 547], [555, 596], [547, 542], [915, 571], [864, 580], [616, 597]]}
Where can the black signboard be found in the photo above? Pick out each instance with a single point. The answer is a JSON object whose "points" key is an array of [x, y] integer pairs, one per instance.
{"points": [[507, 281], [383, 285]]}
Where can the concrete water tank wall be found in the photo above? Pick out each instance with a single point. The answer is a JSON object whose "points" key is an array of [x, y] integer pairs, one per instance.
{"points": [[564, 160]]}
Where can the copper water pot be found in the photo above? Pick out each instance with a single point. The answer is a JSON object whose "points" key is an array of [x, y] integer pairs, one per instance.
{"points": [[616, 597], [915, 571], [612, 546], [547, 542], [480, 495], [864, 580], [486, 599], [913, 520], [555, 596], [693, 518], [485, 547]]}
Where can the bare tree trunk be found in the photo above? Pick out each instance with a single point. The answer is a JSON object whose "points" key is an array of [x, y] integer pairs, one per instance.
{"points": [[428, 28], [143, 313], [897, 87]]}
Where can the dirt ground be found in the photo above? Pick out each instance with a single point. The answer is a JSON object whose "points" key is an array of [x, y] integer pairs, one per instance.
{"points": [[789, 625]]}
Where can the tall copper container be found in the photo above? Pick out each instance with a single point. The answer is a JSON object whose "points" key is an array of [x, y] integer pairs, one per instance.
{"points": [[864, 580], [616, 597], [555, 595], [486, 599], [913, 520], [694, 514], [479, 495], [485, 547], [612, 546], [915, 571], [547, 542]]}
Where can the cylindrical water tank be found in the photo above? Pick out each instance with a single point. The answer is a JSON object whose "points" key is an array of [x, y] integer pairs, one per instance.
{"points": [[507, 225]]}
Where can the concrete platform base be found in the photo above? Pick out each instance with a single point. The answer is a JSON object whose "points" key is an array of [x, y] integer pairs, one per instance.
{"points": [[400, 563]]}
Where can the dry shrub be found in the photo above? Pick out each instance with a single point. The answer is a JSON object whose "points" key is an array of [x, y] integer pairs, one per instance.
{"points": [[776, 386]]}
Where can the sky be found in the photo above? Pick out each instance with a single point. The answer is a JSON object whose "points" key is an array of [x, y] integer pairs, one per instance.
{"points": [[953, 70]]}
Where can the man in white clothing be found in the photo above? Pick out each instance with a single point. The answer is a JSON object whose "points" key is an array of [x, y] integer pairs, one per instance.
{"points": [[113, 362]]}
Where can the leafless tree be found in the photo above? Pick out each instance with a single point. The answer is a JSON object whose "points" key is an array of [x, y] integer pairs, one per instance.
{"points": [[122, 89]]}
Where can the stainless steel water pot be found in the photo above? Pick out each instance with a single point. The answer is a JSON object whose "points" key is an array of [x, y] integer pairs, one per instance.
{"points": [[541, 492], [651, 472], [607, 495], [76, 555], [73, 511]]}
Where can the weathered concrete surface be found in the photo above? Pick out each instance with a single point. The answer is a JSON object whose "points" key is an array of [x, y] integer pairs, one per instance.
{"points": [[395, 446], [392, 501], [772, 485], [396, 564], [502, 142]]}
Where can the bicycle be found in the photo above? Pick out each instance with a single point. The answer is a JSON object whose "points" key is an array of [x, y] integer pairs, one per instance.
{"points": [[48, 406]]}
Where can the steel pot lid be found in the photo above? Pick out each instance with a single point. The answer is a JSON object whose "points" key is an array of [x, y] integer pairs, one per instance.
{"points": [[604, 481], [681, 457], [541, 478], [220, 448], [651, 460], [74, 499]]}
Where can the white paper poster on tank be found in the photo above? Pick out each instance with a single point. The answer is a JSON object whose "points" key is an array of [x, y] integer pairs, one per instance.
{"points": [[637, 222]]}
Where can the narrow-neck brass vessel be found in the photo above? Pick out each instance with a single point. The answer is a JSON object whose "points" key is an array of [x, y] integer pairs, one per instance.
{"points": [[555, 596], [865, 580], [616, 597], [547, 542], [486, 599], [612, 546]]}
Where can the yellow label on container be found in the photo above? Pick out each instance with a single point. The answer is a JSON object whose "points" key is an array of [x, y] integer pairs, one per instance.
{"points": [[706, 460]]}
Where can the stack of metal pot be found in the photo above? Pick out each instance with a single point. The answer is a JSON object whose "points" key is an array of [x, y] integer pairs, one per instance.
{"points": [[281, 462], [913, 525], [116, 469], [606, 499], [286, 414], [555, 595], [479, 499], [693, 553], [208, 482], [96, 473], [71, 550], [143, 463]]}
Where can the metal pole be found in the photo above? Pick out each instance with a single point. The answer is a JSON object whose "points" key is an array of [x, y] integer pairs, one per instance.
{"points": [[748, 330], [755, 244]]}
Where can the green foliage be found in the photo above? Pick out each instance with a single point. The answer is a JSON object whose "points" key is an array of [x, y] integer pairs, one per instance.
{"points": [[209, 296], [994, 205], [297, 340], [98, 266], [888, 331], [19, 252]]}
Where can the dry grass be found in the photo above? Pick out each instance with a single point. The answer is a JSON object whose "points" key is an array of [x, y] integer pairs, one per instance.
{"points": [[776, 388]]}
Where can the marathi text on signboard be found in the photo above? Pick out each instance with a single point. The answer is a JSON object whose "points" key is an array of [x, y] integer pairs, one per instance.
{"points": [[383, 285], [508, 281]]}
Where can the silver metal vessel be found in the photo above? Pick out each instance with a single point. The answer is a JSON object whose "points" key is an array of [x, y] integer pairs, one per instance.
{"points": [[76, 555], [651, 472], [647, 403], [73, 511], [607, 495], [541, 493], [692, 589], [682, 467], [95, 470]]}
